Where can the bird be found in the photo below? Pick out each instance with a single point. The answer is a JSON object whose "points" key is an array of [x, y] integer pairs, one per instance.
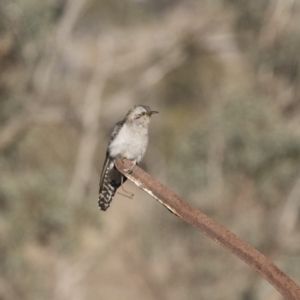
{"points": [[128, 140]]}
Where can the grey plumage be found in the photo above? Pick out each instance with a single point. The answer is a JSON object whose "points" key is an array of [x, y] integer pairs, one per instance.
{"points": [[128, 140]]}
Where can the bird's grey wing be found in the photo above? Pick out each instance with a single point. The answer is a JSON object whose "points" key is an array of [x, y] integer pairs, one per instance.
{"points": [[116, 130], [108, 160], [110, 178]]}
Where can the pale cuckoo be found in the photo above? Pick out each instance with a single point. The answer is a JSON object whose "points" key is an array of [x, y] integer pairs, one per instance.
{"points": [[128, 140]]}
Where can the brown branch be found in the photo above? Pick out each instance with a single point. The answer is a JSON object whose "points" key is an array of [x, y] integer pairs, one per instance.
{"points": [[285, 285], [91, 109]]}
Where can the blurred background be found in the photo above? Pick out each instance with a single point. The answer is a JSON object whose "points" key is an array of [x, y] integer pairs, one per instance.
{"points": [[225, 77]]}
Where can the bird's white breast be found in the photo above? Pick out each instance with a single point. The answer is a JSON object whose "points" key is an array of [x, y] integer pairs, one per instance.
{"points": [[131, 142]]}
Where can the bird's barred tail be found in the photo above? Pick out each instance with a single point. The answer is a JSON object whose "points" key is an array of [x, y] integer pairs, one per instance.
{"points": [[111, 180], [106, 195]]}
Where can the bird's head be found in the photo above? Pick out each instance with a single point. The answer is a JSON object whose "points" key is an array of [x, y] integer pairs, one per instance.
{"points": [[140, 114]]}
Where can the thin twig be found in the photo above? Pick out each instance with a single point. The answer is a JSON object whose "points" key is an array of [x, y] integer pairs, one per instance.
{"points": [[285, 285]]}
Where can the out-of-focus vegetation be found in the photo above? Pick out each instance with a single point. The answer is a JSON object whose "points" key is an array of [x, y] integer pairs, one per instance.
{"points": [[224, 76]]}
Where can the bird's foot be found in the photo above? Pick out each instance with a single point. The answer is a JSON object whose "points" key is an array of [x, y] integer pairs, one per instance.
{"points": [[129, 170]]}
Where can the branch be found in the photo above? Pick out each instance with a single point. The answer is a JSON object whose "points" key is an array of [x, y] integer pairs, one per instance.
{"points": [[91, 109], [285, 285]]}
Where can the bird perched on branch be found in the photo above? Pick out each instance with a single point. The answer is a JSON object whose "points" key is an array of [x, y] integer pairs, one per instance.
{"points": [[129, 140]]}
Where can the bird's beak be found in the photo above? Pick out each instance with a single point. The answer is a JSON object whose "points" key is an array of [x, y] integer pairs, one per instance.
{"points": [[153, 112]]}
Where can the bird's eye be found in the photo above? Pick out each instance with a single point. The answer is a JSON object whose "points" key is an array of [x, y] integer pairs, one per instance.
{"points": [[143, 113]]}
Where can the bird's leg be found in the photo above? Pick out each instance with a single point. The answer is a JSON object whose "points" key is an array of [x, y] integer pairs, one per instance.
{"points": [[127, 194]]}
